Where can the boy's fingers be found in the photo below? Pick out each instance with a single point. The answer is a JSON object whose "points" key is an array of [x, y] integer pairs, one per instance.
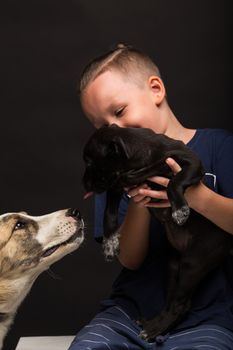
{"points": [[173, 165], [139, 198], [159, 180], [153, 193], [143, 202], [135, 190]]}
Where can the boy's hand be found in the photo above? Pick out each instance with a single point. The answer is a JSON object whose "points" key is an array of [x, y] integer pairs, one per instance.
{"points": [[142, 195]]}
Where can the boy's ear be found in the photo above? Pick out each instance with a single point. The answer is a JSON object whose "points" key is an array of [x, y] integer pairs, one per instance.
{"points": [[158, 89]]}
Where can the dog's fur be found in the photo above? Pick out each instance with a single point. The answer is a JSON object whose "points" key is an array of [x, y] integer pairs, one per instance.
{"points": [[118, 158], [28, 246]]}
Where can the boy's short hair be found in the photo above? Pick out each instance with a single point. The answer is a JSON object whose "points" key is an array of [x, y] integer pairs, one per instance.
{"points": [[132, 63]]}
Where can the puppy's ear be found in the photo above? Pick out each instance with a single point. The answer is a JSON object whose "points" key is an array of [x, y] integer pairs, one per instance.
{"points": [[119, 147]]}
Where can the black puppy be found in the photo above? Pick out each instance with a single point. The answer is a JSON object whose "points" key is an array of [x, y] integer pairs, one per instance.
{"points": [[117, 158]]}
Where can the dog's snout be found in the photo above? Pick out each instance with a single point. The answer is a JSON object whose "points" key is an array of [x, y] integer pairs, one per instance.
{"points": [[75, 213]]}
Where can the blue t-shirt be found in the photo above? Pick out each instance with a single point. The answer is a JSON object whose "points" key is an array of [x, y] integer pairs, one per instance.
{"points": [[142, 292]]}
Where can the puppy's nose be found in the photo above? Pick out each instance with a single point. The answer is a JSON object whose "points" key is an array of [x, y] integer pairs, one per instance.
{"points": [[75, 213]]}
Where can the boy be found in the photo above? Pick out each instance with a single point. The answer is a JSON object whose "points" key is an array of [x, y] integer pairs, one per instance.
{"points": [[124, 87]]}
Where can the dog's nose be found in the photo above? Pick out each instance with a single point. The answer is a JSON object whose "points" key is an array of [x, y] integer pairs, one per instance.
{"points": [[75, 213]]}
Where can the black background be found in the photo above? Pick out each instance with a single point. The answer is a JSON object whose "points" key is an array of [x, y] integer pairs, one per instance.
{"points": [[44, 46]]}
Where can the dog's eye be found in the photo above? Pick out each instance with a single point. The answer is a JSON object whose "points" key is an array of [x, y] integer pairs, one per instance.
{"points": [[20, 225]]}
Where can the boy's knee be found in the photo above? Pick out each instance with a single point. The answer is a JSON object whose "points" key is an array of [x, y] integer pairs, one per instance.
{"points": [[89, 341], [88, 345]]}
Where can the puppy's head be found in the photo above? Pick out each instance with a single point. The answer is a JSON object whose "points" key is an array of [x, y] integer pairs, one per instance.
{"points": [[103, 155], [32, 244], [111, 154]]}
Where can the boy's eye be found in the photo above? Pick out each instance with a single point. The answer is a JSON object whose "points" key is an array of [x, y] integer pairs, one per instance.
{"points": [[118, 112]]}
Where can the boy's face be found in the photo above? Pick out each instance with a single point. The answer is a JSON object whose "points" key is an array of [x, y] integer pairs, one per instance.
{"points": [[112, 99]]}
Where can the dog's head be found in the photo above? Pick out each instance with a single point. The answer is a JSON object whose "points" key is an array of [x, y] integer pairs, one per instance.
{"points": [[107, 154], [29, 244]]}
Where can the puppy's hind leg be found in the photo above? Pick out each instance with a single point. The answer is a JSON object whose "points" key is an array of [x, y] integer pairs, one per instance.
{"points": [[159, 324], [193, 266], [178, 302]]}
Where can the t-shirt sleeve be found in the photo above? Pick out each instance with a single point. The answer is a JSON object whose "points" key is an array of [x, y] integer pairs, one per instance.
{"points": [[100, 203], [224, 166]]}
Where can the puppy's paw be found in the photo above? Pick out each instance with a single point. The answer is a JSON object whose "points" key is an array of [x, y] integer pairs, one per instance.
{"points": [[180, 216], [147, 331], [111, 246], [153, 329], [143, 334]]}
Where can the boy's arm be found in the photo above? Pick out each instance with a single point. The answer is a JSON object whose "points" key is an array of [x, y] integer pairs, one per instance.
{"points": [[213, 206], [134, 236], [134, 229]]}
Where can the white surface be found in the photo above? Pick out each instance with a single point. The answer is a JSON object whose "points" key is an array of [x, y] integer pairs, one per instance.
{"points": [[45, 343]]}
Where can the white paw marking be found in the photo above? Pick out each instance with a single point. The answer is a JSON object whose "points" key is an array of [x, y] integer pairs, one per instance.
{"points": [[181, 215], [111, 246]]}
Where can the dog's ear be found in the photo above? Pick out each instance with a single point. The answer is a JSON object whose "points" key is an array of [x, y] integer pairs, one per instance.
{"points": [[119, 148]]}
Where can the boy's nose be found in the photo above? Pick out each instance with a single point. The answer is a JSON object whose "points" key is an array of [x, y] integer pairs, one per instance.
{"points": [[118, 123]]}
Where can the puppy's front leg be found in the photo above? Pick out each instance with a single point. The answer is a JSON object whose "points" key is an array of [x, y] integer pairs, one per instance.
{"points": [[190, 174], [111, 236]]}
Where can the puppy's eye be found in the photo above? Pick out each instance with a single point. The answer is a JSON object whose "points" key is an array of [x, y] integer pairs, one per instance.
{"points": [[20, 225]]}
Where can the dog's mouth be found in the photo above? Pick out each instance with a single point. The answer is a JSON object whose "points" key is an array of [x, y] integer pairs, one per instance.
{"points": [[78, 234]]}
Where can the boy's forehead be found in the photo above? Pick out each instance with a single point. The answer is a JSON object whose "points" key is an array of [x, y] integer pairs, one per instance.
{"points": [[109, 81], [107, 89]]}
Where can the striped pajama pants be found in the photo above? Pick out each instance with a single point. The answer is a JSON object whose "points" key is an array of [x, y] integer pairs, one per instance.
{"points": [[112, 329]]}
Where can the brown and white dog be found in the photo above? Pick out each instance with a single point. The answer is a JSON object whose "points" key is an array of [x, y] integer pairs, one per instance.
{"points": [[28, 246]]}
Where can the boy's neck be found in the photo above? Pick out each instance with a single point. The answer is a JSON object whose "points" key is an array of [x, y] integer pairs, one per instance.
{"points": [[177, 131]]}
